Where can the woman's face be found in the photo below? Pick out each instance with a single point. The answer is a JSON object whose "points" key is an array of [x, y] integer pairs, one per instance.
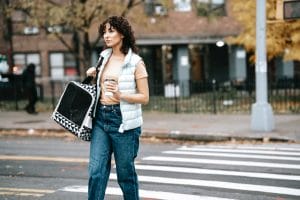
{"points": [[112, 37]]}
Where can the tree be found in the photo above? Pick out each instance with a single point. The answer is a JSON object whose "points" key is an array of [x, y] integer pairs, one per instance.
{"points": [[77, 17], [282, 37]]}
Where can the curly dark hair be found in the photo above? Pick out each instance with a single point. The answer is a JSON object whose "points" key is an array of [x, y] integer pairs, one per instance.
{"points": [[123, 27]]}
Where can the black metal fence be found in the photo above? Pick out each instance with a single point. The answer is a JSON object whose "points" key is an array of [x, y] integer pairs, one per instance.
{"points": [[12, 92], [191, 97], [212, 97]]}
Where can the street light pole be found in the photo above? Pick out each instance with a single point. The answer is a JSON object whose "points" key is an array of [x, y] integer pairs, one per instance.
{"points": [[261, 112]]}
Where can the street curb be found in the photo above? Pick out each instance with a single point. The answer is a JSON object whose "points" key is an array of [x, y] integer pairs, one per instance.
{"points": [[214, 137], [148, 134]]}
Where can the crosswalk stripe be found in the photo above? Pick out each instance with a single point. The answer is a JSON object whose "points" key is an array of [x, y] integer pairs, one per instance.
{"points": [[217, 172], [218, 184], [222, 162], [145, 194], [236, 155], [185, 148], [250, 147]]}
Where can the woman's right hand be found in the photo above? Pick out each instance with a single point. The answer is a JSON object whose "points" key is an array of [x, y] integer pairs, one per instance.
{"points": [[91, 72]]}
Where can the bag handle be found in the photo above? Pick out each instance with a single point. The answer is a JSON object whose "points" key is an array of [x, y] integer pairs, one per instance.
{"points": [[88, 79]]}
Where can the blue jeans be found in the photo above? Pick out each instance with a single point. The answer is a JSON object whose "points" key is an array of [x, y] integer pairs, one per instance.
{"points": [[106, 139]]}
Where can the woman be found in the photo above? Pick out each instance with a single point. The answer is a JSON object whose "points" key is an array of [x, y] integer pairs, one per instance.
{"points": [[122, 85]]}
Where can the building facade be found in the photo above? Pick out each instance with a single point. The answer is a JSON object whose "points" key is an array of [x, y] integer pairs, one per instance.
{"points": [[183, 47]]}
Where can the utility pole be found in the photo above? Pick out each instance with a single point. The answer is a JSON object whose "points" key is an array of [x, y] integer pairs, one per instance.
{"points": [[261, 112]]}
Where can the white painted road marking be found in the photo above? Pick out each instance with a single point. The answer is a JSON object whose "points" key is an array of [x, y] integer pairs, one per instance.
{"points": [[218, 184], [232, 155], [222, 162], [249, 147], [145, 194], [248, 151], [217, 172], [210, 184], [190, 182]]}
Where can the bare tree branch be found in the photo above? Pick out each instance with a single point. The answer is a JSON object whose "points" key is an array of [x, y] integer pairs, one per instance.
{"points": [[52, 2], [130, 5], [93, 13], [78, 15]]}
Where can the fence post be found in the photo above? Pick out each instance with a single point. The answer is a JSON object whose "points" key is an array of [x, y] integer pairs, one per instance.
{"points": [[52, 94], [214, 96], [15, 85], [175, 96]]}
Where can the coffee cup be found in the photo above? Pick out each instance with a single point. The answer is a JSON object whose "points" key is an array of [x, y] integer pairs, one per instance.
{"points": [[107, 81]]}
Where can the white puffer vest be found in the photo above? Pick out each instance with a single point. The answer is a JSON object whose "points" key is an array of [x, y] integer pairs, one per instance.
{"points": [[131, 112]]}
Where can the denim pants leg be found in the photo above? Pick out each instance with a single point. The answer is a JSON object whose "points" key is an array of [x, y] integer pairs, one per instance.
{"points": [[125, 147], [100, 160], [105, 140]]}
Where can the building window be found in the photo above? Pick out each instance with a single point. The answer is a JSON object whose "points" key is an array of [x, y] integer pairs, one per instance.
{"points": [[55, 29], [182, 5], [21, 60], [62, 65], [211, 7], [31, 30], [59, 29]]}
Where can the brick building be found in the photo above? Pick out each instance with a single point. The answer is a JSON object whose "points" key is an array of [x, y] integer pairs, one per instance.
{"points": [[178, 44]]}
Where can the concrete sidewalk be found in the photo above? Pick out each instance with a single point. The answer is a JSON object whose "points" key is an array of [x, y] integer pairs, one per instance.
{"points": [[177, 126]]}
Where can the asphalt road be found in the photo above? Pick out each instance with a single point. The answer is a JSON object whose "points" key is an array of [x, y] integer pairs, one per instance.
{"points": [[56, 169]]}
